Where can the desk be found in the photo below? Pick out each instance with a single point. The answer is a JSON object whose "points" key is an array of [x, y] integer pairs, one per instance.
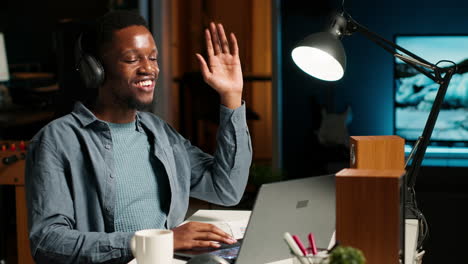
{"points": [[213, 216], [234, 215], [178, 261]]}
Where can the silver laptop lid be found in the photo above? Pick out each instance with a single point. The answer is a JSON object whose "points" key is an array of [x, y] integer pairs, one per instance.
{"points": [[296, 206]]}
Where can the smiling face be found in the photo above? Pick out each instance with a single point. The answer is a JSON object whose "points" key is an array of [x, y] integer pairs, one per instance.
{"points": [[131, 68]]}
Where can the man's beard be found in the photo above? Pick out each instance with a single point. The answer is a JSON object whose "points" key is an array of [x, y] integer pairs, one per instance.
{"points": [[133, 103]]}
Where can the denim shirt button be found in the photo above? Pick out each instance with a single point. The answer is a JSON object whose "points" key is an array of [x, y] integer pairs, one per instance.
{"points": [[107, 146], [111, 175]]}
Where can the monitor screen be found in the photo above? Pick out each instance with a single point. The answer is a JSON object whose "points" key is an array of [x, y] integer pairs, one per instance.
{"points": [[4, 73], [415, 92]]}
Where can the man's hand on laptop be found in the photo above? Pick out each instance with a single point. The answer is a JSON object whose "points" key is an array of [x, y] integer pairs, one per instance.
{"points": [[196, 234]]}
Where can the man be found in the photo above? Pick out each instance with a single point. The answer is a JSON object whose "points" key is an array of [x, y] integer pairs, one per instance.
{"points": [[95, 176]]}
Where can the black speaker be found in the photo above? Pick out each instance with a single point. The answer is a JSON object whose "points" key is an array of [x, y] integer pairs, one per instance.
{"points": [[90, 69]]}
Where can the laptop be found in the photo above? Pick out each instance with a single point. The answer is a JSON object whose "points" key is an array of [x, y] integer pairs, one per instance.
{"points": [[297, 206]]}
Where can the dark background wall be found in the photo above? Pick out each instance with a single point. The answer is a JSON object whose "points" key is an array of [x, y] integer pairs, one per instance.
{"points": [[40, 37], [26, 22], [367, 87]]}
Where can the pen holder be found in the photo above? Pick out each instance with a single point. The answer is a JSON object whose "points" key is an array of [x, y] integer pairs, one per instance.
{"points": [[320, 258]]}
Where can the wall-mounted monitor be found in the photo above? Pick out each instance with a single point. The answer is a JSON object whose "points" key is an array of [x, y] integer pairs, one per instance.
{"points": [[4, 73], [414, 92]]}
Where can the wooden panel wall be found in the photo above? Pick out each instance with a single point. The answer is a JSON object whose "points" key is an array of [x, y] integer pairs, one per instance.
{"points": [[251, 22], [261, 42]]}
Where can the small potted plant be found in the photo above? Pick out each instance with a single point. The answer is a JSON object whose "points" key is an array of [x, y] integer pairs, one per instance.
{"points": [[346, 255]]}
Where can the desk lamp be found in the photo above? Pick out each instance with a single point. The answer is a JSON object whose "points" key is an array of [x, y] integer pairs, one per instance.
{"points": [[322, 55]]}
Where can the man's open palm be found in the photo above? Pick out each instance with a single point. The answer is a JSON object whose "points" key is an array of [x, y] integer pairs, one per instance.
{"points": [[223, 71]]}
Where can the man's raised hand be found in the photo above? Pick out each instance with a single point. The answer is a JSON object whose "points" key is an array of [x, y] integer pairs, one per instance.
{"points": [[223, 70]]}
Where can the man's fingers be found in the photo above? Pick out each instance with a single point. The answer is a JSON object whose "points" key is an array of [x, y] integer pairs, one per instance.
{"points": [[208, 236], [215, 39], [209, 44], [233, 46], [203, 66], [197, 244], [204, 227], [201, 243], [196, 234], [223, 39]]}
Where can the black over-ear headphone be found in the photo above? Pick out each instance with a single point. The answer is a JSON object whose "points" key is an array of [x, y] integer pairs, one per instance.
{"points": [[89, 68]]}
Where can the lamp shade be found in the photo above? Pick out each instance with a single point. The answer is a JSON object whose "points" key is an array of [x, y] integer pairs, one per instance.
{"points": [[321, 55]]}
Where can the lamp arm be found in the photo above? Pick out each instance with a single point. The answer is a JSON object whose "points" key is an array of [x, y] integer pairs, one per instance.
{"points": [[413, 169], [418, 63], [442, 76], [409, 58]]}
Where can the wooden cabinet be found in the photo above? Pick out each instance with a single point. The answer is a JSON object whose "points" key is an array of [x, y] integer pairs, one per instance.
{"points": [[13, 174]]}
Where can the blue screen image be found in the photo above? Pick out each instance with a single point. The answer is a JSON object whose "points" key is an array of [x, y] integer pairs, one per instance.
{"points": [[415, 92]]}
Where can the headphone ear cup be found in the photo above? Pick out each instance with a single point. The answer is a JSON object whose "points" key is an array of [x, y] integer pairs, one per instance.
{"points": [[91, 71]]}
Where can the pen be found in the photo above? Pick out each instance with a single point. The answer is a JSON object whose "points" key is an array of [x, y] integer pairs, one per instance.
{"points": [[300, 245], [293, 247], [312, 245]]}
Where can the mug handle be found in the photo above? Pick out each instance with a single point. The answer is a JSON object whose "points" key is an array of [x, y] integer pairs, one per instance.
{"points": [[133, 246]]}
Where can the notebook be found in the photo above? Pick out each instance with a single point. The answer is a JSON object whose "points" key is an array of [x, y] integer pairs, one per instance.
{"points": [[297, 206]]}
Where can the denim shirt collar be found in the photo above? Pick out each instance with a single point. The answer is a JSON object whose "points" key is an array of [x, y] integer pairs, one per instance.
{"points": [[86, 117]]}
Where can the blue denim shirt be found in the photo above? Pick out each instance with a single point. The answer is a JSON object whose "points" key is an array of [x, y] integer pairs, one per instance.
{"points": [[71, 189]]}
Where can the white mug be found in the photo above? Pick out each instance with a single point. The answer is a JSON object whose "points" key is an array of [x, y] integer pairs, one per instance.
{"points": [[153, 246]]}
